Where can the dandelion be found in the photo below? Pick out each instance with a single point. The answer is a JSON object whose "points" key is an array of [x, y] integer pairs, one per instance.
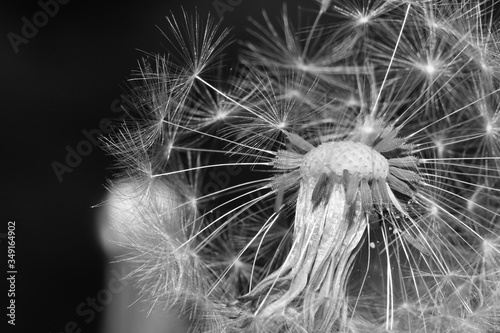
{"points": [[344, 176]]}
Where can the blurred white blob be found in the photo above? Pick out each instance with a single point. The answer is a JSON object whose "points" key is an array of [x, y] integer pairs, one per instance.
{"points": [[119, 221]]}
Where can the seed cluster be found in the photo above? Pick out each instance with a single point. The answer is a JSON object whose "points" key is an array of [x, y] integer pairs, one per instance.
{"points": [[335, 157]]}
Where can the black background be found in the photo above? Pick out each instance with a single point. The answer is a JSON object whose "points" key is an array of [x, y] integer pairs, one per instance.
{"points": [[64, 81]]}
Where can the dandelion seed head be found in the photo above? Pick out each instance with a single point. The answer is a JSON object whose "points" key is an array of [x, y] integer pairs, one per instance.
{"points": [[440, 146], [293, 94], [302, 66], [377, 141], [367, 127], [433, 210], [239, 265], [281, 125], [429, 68], [168, 150], [193, 202], [432, 23], [406, 306], [489, 128], [363, 19], [353, 101], [484, 65], [472, 202], [488, 247], [355, 157], [221, 114]]}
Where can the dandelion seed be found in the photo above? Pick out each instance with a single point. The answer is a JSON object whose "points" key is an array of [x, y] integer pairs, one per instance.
{"points": [[430, 68]]}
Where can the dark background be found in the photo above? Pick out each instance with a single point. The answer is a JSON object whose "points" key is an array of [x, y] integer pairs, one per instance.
{"points": [[61, 82]]}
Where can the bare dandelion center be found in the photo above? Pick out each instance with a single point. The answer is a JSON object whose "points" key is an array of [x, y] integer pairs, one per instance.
{"points": [[355, 157]]}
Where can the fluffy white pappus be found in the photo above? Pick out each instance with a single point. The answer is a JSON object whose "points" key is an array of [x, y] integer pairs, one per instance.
{"points": [[344, 176]]}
